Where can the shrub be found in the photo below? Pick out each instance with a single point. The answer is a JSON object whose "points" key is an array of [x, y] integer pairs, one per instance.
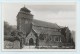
{"points": [[11, 38]]}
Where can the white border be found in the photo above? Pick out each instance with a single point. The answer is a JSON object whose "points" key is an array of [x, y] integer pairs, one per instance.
{"points": [[45, 50]]}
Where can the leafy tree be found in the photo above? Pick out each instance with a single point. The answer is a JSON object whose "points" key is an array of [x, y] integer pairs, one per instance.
{"points": [[9, 32], [63, 31], [13, 33], [7, 28]]}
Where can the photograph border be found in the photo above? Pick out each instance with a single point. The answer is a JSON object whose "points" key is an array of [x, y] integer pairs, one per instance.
{"points": [[23, 50]]}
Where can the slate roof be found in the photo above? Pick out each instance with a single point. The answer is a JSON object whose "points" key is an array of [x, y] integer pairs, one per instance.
{"points": [[46, 32], [45, 24]]}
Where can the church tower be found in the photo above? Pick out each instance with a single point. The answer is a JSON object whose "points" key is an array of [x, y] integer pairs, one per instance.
{"points": [[24, 20]]}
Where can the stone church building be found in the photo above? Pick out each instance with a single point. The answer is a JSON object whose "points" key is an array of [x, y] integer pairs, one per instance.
{"points": [[36, 32]]}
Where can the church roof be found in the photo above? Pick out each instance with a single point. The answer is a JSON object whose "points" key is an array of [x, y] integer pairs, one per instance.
{"points": [[45, 24], [45, 31], [49, 28]]}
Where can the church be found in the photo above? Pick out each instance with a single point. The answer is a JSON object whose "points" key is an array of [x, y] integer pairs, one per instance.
{"points": [[38, 33]]}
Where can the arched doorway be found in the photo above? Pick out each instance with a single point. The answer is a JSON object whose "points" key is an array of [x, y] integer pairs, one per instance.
{"points": [[31, 41]]}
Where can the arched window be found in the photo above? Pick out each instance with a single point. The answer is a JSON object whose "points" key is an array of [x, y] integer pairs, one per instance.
{"points": [[41, 37], [57, 39]]}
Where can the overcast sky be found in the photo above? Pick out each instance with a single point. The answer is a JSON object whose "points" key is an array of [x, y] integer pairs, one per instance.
{"points": [[63, 14]]}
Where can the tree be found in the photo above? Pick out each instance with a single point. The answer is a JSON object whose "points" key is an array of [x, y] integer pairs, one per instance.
{"points": [[9, 32], [7, 28], [63, 31], [13, 33]]}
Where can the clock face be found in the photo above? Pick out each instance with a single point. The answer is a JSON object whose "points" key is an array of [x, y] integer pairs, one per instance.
{"points": [[26, 22]]}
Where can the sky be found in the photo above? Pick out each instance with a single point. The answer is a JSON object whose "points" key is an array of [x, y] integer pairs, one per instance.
{"points": [[63, 14]]}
